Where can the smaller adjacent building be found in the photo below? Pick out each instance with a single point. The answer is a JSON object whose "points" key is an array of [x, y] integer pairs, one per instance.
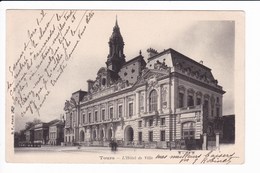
{"points": [[56, 133], [41, 133], [29, 135]]}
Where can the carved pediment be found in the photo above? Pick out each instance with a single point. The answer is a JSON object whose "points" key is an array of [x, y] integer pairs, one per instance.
{"points": [[151, 76]]}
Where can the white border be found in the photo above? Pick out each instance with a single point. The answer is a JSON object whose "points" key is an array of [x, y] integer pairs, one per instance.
{"points": [[252, 86]]}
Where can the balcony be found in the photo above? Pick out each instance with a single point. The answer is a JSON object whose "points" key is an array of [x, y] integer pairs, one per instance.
{"points": [[189, 109], [102, 122], [149, 114]]}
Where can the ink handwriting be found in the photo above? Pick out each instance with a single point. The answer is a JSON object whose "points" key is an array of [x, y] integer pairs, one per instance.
{"points": [[45, 55]]}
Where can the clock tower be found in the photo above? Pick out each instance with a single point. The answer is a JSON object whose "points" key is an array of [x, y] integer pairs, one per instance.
{"points": [[116, 57]]}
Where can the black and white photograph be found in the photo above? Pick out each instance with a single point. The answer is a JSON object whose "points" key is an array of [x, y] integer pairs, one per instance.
{"points": [[122, 86]]}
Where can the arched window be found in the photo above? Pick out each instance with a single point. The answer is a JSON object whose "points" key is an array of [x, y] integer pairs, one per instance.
{"points": [[153, 101]]}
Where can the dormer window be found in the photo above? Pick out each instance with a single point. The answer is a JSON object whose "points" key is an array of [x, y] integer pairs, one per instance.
{"points": [[103, 81]]}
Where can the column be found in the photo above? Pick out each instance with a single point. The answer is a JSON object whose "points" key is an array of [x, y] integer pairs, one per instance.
{"points": [[124, 108], [99, 112], [115, 109], [185, 98], [159, 100], [105, 133], [107, 111], [217, 140], [126, 115], [169, 97], [145, 101], [113, 132], [204, 145], [173, 96], [137, 103]]}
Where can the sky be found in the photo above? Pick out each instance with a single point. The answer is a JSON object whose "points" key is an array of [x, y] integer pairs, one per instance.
{"points": [[193, 35]]}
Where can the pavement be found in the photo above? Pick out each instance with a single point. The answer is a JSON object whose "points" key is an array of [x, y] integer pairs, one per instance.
{"points": [[69, 149]]}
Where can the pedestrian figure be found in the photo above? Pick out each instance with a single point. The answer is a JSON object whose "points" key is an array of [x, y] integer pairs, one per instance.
{"points": [[115, 146], [111, 144]]}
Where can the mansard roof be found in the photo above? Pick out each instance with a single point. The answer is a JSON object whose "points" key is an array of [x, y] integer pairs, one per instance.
{"points": [[188, 66]]}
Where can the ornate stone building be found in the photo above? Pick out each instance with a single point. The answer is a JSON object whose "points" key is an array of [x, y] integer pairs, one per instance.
{"points": [[148, 104]]}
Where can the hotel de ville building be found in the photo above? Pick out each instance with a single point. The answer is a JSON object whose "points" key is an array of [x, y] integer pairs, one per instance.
{"points": [[147, 102]]}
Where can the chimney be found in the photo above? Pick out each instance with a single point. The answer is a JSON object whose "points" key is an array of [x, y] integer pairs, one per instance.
{"points": [[90, 84], [151, 52]]}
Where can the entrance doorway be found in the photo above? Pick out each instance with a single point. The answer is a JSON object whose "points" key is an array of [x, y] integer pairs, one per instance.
{"points": [[102, 135], [82, 136], [129, 134]]}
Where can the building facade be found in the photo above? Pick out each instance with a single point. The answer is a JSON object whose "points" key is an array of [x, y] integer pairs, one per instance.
{"points": [[151, 103], [29, 135], [41, 133], [56, 133]]}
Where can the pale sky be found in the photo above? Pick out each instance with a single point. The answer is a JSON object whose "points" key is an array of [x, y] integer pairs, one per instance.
{"points": [[200, 39]]}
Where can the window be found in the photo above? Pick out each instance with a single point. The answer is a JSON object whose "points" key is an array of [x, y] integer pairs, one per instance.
{"points": [[162, 121], [141, 102], [151, 136], [140, 136], [218, 112], [217, 100], [188, 130], [111, 112], [190, 101], [83, 118], [181, 99], [131, 109], [120, 109], [103, 81], [153, 101], [164, 98], [206, 107], [103, 114], [139, 123], [198, 101], [96, 116], [163, 135], [150, 122], [89, 117]]}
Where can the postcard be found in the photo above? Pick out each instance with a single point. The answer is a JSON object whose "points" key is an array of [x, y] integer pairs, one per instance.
{"points": [[122, 86]]}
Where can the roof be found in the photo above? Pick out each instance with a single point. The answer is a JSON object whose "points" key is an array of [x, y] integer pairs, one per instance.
{"points": [[79, 91], [57, 123], [133, 60], [183, 56], [53, 122]]}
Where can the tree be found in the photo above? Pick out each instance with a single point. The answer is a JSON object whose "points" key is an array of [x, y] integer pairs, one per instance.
{"points": [[30, 124]]}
